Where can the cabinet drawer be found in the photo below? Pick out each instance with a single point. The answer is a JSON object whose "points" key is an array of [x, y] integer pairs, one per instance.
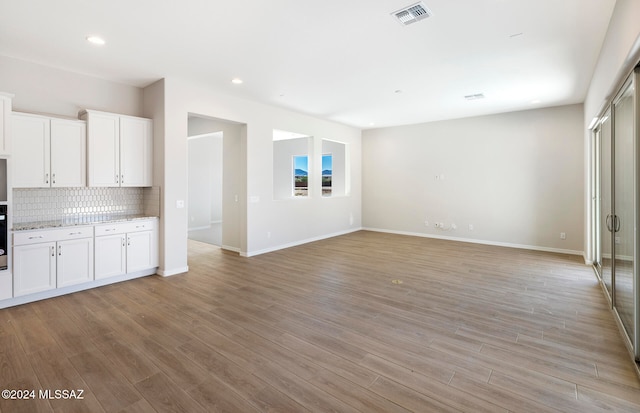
{"points": [[51, 235], [125, 227], [142, 225], [110, 229]]}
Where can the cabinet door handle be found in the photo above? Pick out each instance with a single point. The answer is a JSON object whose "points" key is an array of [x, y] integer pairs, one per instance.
{"points": [[59, 249], [37, 237], [53, 251], [123, 243], [117, 180], [75, 233], [129, 241], [109, 229], [46, 178], [122, 178], [53, 178], [139, 226]]}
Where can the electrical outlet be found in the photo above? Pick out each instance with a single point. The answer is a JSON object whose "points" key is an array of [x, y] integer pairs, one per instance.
{"points": [[563, 235], [454, 226], [426, 223], [470, 227]]}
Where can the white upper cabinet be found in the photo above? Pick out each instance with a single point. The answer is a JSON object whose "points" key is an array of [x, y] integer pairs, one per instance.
{"points": [[68, 153], [31, 151], [48, 152], [120, 149], [103, 149], [5, 115], [136, 157]]}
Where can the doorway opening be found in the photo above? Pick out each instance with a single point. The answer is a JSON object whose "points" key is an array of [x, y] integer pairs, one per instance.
{"points": [[214, 181], [205, 187]]}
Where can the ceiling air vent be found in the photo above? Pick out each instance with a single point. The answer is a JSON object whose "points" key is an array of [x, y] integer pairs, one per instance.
{"points": [[412, 14], [475, 96]]}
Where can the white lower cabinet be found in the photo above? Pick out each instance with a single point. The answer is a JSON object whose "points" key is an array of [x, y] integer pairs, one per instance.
{"points": [[124, 248], [34, 268], [74, 262], [6, 285], [111, 256], [48, 259]]}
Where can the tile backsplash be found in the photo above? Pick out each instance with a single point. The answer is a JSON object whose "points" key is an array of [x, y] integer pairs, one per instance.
{"points": [[83, 205]]}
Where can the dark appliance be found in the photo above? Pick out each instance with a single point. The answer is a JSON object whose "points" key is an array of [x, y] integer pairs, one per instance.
{"points": [[3, 237]]}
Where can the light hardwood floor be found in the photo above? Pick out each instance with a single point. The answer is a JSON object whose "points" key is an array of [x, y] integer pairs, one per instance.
{"points": [[323, 327]]}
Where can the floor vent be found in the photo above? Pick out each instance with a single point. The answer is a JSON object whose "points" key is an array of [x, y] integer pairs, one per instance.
{"points": [[412, 14]]}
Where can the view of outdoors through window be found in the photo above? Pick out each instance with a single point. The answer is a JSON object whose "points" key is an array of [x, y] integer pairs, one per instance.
{"points": [[327, 170], [301, 175]]}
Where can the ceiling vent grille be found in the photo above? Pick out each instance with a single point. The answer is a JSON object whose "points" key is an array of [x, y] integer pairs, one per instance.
{"points": [[412, 14], [475, 96]]}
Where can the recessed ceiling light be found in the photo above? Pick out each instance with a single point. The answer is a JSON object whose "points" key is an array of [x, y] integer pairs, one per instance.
{"points": [[96, 40], [236, 81], [397, 91]]}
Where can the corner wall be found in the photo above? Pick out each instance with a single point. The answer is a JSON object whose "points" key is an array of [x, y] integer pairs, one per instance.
{"points": [[266, 224], [619, 54], [515, 177]]}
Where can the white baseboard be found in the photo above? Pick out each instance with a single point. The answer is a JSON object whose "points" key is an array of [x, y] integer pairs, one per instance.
{"points": [[230, 248], [203, 227], [174, 271], [479, 241], [56, 292], [199, 228], [296, 243]]}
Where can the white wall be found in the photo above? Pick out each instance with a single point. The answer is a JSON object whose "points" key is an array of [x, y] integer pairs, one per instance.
{"points": [[42, 89], [516, 177], [620, 53], [205, 181], [269, 224]]}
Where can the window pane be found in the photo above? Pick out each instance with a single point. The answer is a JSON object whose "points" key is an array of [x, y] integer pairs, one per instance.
{"points": [[327, 172], [300, 175], [335, 170], [291, 151]]}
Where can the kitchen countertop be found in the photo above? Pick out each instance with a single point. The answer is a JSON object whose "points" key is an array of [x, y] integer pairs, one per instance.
{"points": [[88, 220]]}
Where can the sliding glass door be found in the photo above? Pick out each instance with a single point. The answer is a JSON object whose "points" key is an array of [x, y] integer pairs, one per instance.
{"points": [[617, 209], [623, 221], [603, 206]]}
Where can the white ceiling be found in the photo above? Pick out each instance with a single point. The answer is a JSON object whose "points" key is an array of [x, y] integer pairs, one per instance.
{"points": [[342, 60]]}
